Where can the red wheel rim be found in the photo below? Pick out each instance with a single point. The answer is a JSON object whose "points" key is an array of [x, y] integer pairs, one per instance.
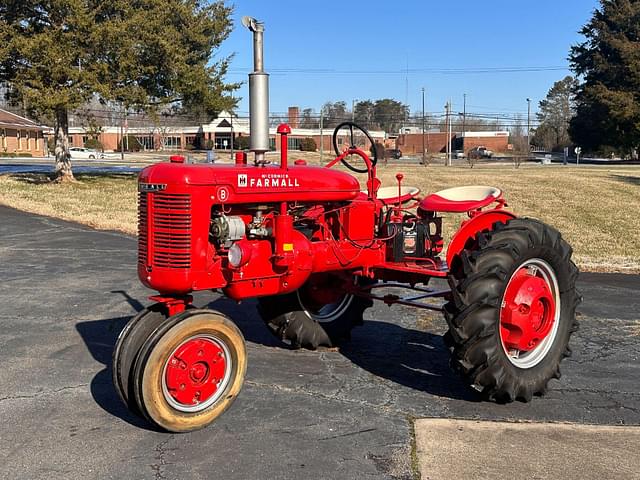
{"points": [[529, 313], [324, 298], [196, 373]]}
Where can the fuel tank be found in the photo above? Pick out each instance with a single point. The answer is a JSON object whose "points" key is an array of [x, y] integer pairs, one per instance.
{"points": [[237, 184]]}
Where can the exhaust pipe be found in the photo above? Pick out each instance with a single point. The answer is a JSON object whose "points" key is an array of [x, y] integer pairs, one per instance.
{"points": [[258, 94]]}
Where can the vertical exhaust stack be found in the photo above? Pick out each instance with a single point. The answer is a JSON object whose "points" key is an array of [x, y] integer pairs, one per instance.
{"points": [[258, 94]]}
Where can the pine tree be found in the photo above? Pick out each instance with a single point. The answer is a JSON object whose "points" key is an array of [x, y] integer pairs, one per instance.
{"points": [[608, 64], [58, 54], [556, 111]]}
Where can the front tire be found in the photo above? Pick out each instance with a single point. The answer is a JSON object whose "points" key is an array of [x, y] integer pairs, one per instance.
{"points": [[127, 346], [512, 309], [308, 318], [190, 370]]}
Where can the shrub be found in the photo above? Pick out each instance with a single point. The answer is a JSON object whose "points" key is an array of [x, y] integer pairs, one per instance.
{"points": [[241, 143], [94, 144], [15, 154], [308, 144], [133, 144]]}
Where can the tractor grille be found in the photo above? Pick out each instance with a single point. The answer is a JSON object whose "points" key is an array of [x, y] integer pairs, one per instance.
{"points": [[170, 232], [143, 227]]}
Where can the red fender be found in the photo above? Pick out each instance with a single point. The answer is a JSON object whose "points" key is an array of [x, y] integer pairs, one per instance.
{"points": [[473, 226]]}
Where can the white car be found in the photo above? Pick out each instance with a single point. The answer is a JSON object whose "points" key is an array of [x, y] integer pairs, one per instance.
{"points": [[84, 153]]}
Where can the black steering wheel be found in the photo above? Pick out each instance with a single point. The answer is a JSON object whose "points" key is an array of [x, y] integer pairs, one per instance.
{"points": [[352, 145]]}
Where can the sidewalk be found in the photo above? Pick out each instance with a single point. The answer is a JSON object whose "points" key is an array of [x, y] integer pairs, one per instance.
{"points": [[475, 450]]}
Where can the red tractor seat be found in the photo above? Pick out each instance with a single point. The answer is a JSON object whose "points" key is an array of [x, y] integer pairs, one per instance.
{"points": [[461, 199], [390, 194]]}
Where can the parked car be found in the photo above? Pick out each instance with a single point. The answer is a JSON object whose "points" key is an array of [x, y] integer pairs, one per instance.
{"points": [[459, 154], [393, 153], [81, 153], [480, 152]]}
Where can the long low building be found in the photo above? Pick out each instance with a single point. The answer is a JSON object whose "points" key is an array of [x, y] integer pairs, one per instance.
{"points": [[20, 136], [220, 133], [217, 134]]}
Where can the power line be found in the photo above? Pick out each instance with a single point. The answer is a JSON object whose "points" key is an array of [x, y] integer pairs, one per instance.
{"points": [[406, 71]]}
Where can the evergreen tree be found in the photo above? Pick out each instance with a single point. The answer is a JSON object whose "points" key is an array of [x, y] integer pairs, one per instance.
{"points": [[58, 54], [556, 111], [608, 64], [364, 114], [390, 114]]}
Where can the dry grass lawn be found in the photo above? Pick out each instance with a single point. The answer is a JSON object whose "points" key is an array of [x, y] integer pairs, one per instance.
{"points": [[106, 202], [595, 208]]}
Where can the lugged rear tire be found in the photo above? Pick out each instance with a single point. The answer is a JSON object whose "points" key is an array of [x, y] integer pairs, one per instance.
{"points": [[290, 321], [479, 278]]}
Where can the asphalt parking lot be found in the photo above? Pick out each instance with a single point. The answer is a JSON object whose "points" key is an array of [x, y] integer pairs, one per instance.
{"points": [[68, 290]]}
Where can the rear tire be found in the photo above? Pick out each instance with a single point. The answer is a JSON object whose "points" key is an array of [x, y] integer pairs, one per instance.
{"points": [[489, 295], [301, 326]]}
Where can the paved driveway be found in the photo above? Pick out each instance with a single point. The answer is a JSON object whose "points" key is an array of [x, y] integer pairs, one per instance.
{"points": [[68, 290]]}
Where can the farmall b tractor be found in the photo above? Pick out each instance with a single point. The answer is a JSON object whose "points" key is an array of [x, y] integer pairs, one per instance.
{"points": [[316, 248]]}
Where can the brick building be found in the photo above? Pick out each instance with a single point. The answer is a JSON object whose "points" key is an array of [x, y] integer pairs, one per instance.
{"points": [[218, 133], [495, 141], [20, 136], [436, 142]]}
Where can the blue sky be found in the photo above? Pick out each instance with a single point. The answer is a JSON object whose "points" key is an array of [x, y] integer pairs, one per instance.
{"points": [[380, 39]]}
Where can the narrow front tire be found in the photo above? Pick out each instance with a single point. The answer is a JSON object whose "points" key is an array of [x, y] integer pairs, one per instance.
{"points": [[190, 370]]}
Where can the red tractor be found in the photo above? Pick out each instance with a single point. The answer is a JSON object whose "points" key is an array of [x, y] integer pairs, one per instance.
{"points": [[315, 247]]}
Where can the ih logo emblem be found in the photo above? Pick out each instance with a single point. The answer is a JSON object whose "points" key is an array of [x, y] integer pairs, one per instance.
{"points": [[242, 179]]}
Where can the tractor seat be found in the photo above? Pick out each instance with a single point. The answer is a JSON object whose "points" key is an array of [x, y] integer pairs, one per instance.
{"points": [[461, 199], [389, 195]]}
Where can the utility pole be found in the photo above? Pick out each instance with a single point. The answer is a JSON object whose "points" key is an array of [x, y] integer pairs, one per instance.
{"points": [[353, 109], [464, 120], [321, 133], [121, 132], [448, 125], [528, 126], [424, 147]]}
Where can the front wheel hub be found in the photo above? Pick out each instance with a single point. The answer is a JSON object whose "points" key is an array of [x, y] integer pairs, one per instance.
{"points": [[530, 312], [196, 373]]}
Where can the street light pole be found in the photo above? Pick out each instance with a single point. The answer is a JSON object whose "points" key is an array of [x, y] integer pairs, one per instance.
{"points": [[232, 133], [423, 139], [464, 119], [321, 133], [353, 109]]}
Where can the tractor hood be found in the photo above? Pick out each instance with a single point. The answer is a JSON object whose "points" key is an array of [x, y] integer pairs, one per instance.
{"points": [[232, 184]]}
